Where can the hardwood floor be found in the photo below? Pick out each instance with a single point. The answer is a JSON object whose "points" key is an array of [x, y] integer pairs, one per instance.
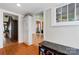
{"points": [[37, 38], [22, 49], [8, 42]]}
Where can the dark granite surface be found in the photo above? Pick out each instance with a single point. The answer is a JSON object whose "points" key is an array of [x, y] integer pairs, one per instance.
{"points": [[61, 48]]}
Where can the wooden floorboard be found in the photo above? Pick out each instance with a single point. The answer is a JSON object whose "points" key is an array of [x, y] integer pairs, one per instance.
{"points": [[22, 49]]}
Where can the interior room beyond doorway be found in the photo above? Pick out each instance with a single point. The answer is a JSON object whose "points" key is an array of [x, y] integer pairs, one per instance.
{"points": [[38, 36], [10, 23]]}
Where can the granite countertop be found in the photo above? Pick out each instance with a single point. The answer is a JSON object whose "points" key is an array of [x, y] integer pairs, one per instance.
{"points": [[61, 48]]}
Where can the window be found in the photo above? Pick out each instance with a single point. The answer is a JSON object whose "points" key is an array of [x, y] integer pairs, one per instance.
{"points": [[58, 15], [77, 11], [71, 12], [64, 13]]}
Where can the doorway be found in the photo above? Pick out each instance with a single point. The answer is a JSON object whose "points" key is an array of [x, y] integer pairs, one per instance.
{"points": [[10, 23], [39, 33]]}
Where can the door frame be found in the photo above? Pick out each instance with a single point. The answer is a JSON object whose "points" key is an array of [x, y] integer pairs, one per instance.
{"points": [[20, 39]]}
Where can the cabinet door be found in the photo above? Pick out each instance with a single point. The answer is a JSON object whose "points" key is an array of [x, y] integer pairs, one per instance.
{"points": [[71, 12]]}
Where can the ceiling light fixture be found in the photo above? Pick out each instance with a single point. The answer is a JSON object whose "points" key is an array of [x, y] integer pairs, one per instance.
{"points": [[19, 5]]}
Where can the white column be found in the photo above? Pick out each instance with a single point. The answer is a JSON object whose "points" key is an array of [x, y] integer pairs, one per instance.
{"points": [[34, 24], [28, 29], [20, 29], [1, 29]]}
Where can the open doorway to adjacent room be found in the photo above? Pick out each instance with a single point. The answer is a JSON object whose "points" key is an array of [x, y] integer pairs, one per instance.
{"points": [[10, 23], [39, 28]]}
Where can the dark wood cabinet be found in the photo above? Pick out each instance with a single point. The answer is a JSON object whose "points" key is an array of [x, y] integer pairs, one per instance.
{"points": [[13, 31]]}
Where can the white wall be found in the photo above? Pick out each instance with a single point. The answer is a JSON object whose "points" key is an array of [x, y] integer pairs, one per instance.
{"points": [[64, 35]]}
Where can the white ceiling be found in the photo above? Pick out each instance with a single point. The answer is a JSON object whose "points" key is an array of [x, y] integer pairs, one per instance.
{"points": [[26, 7]]}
